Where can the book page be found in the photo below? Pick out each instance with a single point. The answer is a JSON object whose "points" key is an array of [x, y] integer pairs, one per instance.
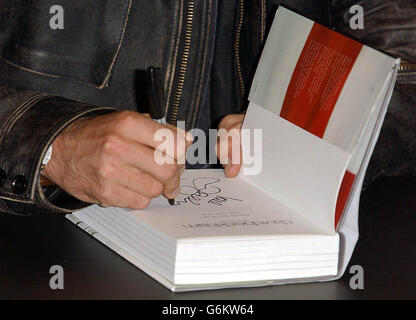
{"points": [[320, 80], [324, 83], [299, 169], [211, 205]]}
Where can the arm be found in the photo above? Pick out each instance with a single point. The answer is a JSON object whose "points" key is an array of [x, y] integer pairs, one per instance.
{"points": [[100, 155], [29, 122]]}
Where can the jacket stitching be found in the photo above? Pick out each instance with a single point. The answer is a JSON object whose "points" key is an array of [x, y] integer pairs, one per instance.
{"points": [[17, 113], [108, 73], [22, 110], [120, 41], [25, 68]]}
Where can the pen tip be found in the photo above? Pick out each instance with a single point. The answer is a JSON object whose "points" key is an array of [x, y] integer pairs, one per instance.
{"points": [[171, 201]]}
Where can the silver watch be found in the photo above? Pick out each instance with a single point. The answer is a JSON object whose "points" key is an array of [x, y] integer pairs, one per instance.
{"points": [[47, 157]]}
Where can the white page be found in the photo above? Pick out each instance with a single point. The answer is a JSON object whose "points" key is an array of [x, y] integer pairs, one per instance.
{"points": [[365, 86], [301, 170], [211, 205], [348, 226], [279, 58]]}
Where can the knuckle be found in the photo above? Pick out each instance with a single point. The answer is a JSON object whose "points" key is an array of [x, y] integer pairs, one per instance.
{"points": [[106, 171], [156, 189], [231, 121], [113, 144], [142, 203], [104, 194], [126, 119], [224, 123], [170, 171], [174, 185], [127, 115]]}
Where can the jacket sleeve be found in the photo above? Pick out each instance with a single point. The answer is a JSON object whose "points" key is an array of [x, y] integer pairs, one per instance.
{"points": [[29, 122]]}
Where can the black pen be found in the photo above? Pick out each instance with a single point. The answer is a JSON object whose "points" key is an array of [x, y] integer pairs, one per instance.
{"points": [[155, 95], [156, 99]]}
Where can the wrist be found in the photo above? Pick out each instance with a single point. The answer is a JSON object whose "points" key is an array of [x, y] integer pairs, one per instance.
{"points": [[50, 164], [45, 182]]}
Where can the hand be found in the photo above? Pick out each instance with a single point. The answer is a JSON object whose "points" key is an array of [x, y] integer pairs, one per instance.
{"points": [[110, 160], [229, 153]]}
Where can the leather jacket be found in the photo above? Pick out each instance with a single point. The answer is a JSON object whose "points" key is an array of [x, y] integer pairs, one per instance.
{"points": [[207, 50]]}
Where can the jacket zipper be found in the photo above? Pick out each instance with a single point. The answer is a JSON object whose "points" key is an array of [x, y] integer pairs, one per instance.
{"points": [[262, 20], [237, 49], [407, 68], [184, 62]]}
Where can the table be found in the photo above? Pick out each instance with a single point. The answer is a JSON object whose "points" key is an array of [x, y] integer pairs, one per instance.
{"points": [[29, 246]]}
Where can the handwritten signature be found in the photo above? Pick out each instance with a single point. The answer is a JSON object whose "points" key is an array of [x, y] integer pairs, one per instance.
{"points": [[203, 188]]}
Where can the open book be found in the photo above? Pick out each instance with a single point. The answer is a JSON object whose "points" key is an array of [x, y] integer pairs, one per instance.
{"points": [[320, 99]]}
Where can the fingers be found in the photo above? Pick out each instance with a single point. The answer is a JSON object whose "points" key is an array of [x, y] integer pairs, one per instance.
{"points": [[229, 144], [163, 162], [168, 139], [138, 170], [232, 170], [172, 187], [233, 165], [148, 186], [231, 121], [188, 136], [142, 158], [110, 160], [149, 180], [139, 182], [120, 196]]}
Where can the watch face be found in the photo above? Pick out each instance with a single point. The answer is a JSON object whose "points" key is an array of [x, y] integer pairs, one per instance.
{"points": [[47, 156]]}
